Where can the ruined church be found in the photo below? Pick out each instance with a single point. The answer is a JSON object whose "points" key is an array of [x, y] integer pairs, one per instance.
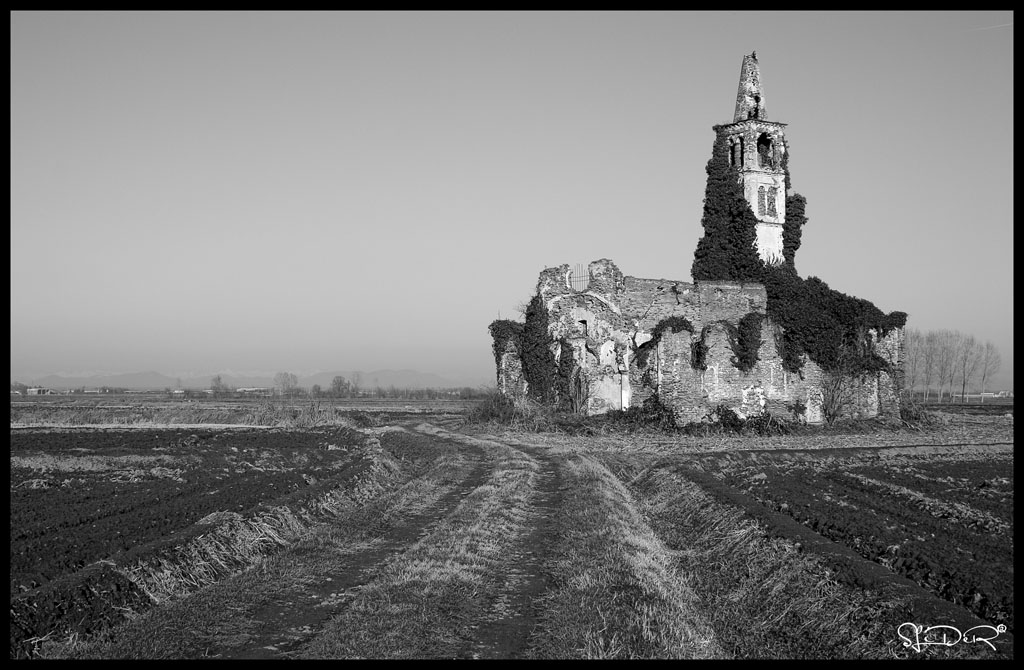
{"points": [[737, 335]]}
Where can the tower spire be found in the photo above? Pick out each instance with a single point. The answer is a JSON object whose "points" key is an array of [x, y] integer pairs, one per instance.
{"points": [[756, 150], [749, 97]]}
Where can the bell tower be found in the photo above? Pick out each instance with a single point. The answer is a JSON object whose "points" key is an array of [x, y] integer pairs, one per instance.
{"points": [[756, 148]]}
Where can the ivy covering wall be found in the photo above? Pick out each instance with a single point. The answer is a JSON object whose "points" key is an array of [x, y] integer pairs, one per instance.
{"points": [[830, 327], [745, 340], [793, 226], [539, 365], [502, 332], [727, 251], [827, 325], [676, 324]]}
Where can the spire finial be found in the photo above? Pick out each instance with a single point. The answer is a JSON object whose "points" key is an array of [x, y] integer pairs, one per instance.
{"points": [[749, 97]]}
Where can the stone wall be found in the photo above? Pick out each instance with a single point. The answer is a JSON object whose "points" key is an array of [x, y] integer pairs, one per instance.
{"points": [[892, 348], [679, 385], [765, 387], [511, 381], [590, 337], [648, 301], [730, 301], [596, 332], [866, 395]]}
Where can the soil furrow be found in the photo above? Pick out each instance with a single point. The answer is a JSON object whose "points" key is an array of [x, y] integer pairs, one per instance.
{"points": [[288, 623], [271, 609]]}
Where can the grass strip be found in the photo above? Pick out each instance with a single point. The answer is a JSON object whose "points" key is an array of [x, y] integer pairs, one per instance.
{"points": [[763, 597], [423, 603], [237, 543], [616, 593]]}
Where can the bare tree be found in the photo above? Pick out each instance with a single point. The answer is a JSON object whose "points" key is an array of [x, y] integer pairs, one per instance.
{"points": [[945, 359], [929, 356], [836, 396], [913, 358], [839, 387], [989, 365], [339, 386], [286, 381], [217, 385], [968, 357]]}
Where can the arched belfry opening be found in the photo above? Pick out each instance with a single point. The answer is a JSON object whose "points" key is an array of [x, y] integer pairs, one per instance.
{"points": [[736, 152], [765, 152]]}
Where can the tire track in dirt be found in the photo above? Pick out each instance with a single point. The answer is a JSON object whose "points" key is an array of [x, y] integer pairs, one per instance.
{"points": [[505, 631], [287, 623]]}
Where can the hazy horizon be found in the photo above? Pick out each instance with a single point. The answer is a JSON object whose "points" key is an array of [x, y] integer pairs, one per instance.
{"points": [[316, 191], [403, 378]]}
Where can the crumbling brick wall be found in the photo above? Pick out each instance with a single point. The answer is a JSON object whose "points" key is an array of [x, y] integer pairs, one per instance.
{"points": [[680, 385], [597, 334], [590, 337], [511, 381], [892, 348]]}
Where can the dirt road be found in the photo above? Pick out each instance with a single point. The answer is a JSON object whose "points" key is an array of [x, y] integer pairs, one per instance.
{"points": [[286, 607]]}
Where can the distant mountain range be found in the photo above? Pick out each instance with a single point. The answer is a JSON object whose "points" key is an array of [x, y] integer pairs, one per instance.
{"points": [[155, 381]]}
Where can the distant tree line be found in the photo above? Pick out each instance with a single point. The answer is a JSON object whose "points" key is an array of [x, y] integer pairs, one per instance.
{"points": [[286, 384], [948, 361]]}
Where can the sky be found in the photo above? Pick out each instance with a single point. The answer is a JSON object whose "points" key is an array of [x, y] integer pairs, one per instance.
{"points": [[202, 192]]}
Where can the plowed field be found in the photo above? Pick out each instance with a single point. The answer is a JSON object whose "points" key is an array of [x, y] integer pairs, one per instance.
{"points": [[419, 540]]}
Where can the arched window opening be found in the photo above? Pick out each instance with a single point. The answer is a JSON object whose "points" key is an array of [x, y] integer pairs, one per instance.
{"points": [[765, 151]]}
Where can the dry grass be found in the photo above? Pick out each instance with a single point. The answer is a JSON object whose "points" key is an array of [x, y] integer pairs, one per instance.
{"points": [[235, 543], [617, 594], [763, 598], [51, 463], [990, 430], [424, 602]]}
